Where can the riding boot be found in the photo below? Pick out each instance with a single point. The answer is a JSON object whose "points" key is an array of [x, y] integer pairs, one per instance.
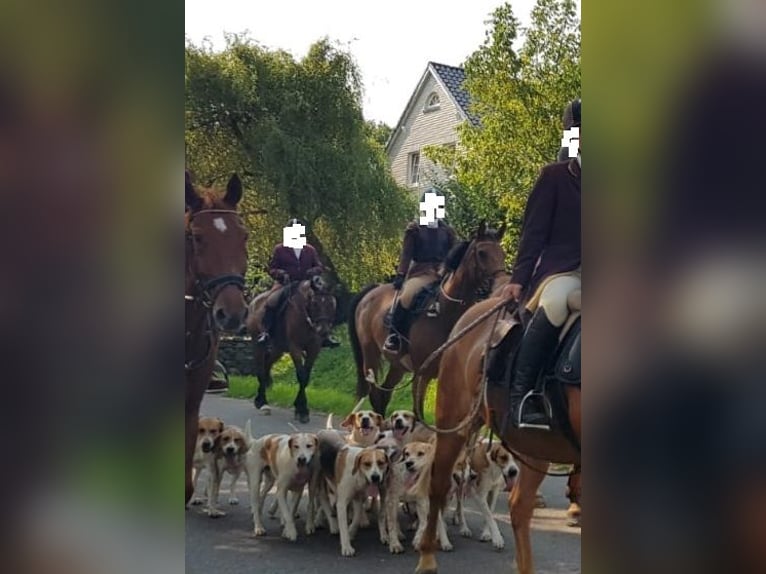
{"points": [[529, 407], [266, 323], [398, 329]]}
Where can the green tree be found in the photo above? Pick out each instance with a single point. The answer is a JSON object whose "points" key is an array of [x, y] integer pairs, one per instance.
{"points": [[519, 96], [295, 132]]}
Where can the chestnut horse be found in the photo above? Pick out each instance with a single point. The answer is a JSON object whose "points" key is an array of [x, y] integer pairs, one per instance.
{"points": [[459, 388], [469, 267], [299, 330], [216, 260]]}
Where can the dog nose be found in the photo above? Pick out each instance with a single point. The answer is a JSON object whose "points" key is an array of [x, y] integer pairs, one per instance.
{"points": [[365, 423], [398, 424], [206, 447], [513, 471], [409, 464], [301, 459], [375, 478]]}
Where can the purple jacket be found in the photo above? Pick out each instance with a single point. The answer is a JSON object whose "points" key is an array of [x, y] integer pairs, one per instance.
{"points": [[283, 260], [550, 236]]}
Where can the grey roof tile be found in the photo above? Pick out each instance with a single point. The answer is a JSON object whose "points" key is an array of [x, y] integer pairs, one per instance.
{"points": [[453, 77]]}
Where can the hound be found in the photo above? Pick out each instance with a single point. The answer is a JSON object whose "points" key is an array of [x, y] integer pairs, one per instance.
{"points": [[230, 451]]}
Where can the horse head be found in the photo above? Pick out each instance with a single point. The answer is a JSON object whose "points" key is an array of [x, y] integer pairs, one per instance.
{"points": [[216, 252], [320, 304], [479, 259]]}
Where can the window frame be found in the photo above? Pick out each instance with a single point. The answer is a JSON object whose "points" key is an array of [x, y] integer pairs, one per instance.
{"points": [[429, 106], [413, 168]]}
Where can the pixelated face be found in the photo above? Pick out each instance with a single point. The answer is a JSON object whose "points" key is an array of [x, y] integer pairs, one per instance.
{"points": [[571, 141], [432, 209], [294, 236]]}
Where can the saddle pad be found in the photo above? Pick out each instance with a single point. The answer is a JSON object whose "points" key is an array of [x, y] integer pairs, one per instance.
{"points": [[423, 298], [501, 330]]}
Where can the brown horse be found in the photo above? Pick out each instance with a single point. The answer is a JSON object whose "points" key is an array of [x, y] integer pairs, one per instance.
{"points": [[299, 330], [216, 261], [469, 267], [460, 385]]}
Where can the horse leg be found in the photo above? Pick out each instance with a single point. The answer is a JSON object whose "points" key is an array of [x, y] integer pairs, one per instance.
{"points": [[521, 502], [263, 374], [303, 373], [447, 449], [574, 491], [379, 398]]}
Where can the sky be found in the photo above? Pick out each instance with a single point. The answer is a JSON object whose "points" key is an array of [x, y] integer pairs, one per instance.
{"points": [[392, 42]]}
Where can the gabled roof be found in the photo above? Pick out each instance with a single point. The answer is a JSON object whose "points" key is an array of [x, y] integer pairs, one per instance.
{"points": [[451, 79]]}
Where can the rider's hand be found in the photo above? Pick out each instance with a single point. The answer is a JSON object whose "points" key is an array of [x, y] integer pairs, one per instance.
{"points": [[512, 291], [398, 281]]}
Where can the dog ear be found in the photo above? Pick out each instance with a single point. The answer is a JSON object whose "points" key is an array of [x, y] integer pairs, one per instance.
{"points": [[357, 463], [243, 446], [379, 419], [220, 425], [394, 455], [348, 421], [217, 444], [290, 443]]}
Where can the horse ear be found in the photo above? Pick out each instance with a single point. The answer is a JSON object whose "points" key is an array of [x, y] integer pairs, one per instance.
{"points": [[482, 228], [233, 190], [501, 231], [193, 201]]}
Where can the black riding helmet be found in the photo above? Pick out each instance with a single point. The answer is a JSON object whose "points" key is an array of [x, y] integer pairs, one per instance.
{"points": [[572, 114], [294, 221]]}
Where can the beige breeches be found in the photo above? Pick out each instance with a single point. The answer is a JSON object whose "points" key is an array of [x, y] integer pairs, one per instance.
{"points": [[412, 286], [552, 296]]}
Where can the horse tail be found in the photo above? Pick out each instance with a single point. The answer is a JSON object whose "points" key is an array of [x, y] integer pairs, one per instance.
{"points": [[356, 347]]}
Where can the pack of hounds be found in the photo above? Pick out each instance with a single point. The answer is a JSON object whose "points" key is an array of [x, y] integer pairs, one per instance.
{"points": [[373, 467]]}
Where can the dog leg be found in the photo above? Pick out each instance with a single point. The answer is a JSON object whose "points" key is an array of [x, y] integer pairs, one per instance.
{"points": [[324, 502], [257, 495], [491, 531], [213, 489], [357, 509], [345, 539], [422, 510], [296, 495], [392, 519], [381, 510], [289, 531], [233, 500], [441, 526], [196, 500]]}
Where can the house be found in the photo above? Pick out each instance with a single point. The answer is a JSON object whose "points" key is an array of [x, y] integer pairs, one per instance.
{"points": [[437, 106]]}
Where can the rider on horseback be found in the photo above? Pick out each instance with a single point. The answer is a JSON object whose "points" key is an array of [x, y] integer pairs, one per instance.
{"points": [[546, 272], [289, 264], [424, 249]]}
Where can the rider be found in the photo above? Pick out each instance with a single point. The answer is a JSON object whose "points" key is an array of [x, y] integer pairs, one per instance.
{"points": [[289, 264], [424, 249], [546, 271]]}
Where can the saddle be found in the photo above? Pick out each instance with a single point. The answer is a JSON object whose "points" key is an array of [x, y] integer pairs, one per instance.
{"points": [[420, 303], [563, 367]]}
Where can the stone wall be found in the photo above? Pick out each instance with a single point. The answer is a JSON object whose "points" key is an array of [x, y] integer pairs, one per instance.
{"points": [[236, 354]]}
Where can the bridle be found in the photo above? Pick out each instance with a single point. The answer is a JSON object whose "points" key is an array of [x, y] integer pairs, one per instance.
{"points": [[206, 291], [446, 277]]}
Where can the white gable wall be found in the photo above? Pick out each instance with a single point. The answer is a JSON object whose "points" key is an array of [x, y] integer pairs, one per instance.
{"points": [[422, 129]]}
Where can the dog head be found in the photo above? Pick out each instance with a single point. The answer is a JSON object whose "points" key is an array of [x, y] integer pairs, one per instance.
{"points": [[503, 459], [209, 429], [231, 442], [372, 462], [402, 422], [303, 446], [416, 456], [364, 424]]}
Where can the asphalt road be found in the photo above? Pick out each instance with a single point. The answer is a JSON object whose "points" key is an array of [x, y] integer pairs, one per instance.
{"points": [[226, 545]]}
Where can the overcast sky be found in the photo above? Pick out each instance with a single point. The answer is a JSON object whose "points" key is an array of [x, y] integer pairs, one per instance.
{"points": [[392, 41]]}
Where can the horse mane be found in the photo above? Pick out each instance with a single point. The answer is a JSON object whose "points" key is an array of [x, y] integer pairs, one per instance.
{"points": [[455, 255]]}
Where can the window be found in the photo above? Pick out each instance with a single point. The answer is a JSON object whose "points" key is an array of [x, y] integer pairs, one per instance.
{"points": [[432, 102], [413, 171]]}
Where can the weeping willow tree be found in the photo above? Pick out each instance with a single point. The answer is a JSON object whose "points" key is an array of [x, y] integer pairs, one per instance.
{"points": [[294, 130]]}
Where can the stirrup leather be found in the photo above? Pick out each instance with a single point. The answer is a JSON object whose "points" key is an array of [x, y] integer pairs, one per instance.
{"points": [[546, 404]]}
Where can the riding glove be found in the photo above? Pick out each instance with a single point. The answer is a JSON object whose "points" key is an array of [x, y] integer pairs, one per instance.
{"points": [[398, 281]]}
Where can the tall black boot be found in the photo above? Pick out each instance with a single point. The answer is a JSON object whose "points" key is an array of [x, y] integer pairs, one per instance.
{"points": [[266, 324], [537, 346], [399, 324]]}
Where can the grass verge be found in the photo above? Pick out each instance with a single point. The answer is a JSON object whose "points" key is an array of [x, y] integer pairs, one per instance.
{"points": [[332, 388]]}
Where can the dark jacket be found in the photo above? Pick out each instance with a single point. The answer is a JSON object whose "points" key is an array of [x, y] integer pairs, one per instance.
{"points": [[425, 247], [550, 236], [283, 261]]}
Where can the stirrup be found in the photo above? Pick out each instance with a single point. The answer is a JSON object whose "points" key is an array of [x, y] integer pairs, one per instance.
{"points": [[395, 349], [433, 310], [546, 406]]}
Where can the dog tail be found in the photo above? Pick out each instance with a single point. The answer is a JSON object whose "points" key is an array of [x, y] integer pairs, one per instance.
{"points": [[328, 425], [249, 432]]}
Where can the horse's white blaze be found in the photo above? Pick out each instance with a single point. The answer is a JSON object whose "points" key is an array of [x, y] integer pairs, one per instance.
{"points": [[220, 224]]}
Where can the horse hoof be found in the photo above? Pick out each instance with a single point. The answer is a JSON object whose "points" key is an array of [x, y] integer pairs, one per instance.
{"points": [[265, 410], [304, 419]]}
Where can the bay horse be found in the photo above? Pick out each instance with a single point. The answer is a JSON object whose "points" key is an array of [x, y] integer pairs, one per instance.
{"points": [[299, 330], [469, 267], [460, 385], [216, 261]]}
